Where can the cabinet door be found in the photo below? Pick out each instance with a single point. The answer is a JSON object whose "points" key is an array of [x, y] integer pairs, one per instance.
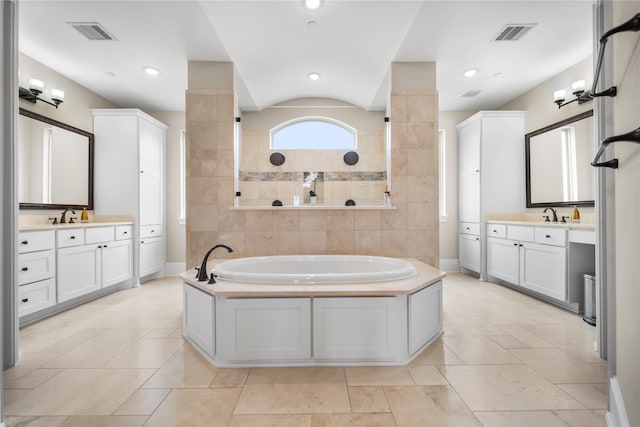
{"points": [[470, 197], [543, 269], [150, 256], [469, 252], [150, 199], [503, 259], [151, 143], [469, 142], [117, 262], [198, 320], [79, 271]]}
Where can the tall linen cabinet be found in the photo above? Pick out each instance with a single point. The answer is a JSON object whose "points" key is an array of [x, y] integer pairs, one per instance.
{"points": [[491, 179], [129, 179]]}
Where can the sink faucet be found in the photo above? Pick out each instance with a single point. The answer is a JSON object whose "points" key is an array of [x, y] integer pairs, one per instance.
{"points": [[63, 218], [555, 214], [202, 271]]}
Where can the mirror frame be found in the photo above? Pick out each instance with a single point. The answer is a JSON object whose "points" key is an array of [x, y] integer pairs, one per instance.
{"points": [[527, 143], [69, 128]]}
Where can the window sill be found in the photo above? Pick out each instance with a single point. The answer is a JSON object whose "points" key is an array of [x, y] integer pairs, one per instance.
{"points": [[310, 207]]}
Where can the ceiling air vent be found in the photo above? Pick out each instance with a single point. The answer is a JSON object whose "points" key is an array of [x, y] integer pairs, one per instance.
{"points": [[92, 30], [513, 32], [471, 93]]}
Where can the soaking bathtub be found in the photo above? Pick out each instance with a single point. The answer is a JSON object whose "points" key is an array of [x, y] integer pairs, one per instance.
{"points": [[313, 310]]}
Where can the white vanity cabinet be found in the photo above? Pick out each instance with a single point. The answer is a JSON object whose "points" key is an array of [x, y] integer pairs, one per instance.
{"points": [[129, 179], [36, 271], [491, 171], [97, 261], [532, 257]]}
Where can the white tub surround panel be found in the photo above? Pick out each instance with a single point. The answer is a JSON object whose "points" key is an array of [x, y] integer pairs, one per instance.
{"points": [[256, 324], [65, 265], [491, 156], [545, 259]]}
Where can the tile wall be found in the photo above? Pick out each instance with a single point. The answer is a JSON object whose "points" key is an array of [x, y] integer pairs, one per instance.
{"points": [[409, 230]]}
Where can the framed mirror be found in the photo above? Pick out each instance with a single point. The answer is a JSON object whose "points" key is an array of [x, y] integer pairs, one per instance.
{"points": [[557, 163], [55, 164]]}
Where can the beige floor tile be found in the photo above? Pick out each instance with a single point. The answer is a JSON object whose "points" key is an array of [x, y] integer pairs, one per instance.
{"points": [[183, 370], [354, 420], [95, 352], [27, 363], [195, 408], [293, 399], [80, 392], [558, 366], [506, 387], [142, 402], [368, 400], [32, 379], [507, 342], [437, 354], [230, 377], [54, 343], [270, 421], [163, 333], [302, 375], [519, 419], [378, 375], [34, 421], [528, 338], [145, 353], [582, 418], [428, 406], [587, 394], [426, 375], [104, 421], [480, 350]]}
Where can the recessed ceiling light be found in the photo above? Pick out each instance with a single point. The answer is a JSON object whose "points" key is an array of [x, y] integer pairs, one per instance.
{"points": [[312, 4], [313, 76], [470, 72], [151, 71]]}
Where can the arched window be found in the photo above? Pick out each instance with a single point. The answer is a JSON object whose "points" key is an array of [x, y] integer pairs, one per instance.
{"points": [[313, 133]]}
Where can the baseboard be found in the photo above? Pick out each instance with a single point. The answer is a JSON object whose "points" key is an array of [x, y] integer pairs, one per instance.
{"points": [[174, 268], [449, 265], [617, 414]]}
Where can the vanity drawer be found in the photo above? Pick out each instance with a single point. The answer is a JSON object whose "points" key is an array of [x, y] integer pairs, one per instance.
{"points": [[521, 233], [73, 237], [30, 241], [147, 231], [36, 296], [99, 234], [36, 266], [469, 228], [124, 232], [551, 236], [497, 230]]}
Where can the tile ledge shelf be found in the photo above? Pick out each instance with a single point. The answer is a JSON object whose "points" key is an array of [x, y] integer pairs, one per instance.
{"points": [[309, 207]]}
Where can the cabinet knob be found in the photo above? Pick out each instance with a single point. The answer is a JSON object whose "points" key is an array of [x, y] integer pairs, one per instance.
{"points": [[520, 245], [152, 231], [477, 170], [547, 236], [25, 242], [141, 241], [25, 299], [477, 238], [125, 232], [25, 268], [515, 244], [72, 237], [495, 231], [141, 171], [468, 228], [104, 246]]}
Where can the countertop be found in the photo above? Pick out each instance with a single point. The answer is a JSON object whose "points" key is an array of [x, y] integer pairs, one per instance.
{"points": [[426, 275], [34, 227], [570, 225]]}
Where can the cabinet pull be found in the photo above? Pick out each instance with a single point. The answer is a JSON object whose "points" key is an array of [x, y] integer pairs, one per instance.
{"points": [[547, 236], [72, 237], [141, 241], [515, 244], [520, 245], [125, 232], [25, 242], [152, 231], [104, 246], [495, 231], [25, 299], [141, 171], [25, 268], [477, 238], [468, 228], [100, 247]]}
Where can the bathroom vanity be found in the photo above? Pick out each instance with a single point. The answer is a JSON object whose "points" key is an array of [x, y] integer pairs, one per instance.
{"points": [[63, 265], [545, 259]]}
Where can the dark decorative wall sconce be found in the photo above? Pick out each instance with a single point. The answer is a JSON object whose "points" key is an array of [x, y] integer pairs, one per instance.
{"points": [[36, 88], [277, 159], [351, 158]]}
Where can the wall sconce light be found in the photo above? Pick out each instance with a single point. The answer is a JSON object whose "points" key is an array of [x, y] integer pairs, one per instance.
{"points": [[577, 89], [36, 87]]}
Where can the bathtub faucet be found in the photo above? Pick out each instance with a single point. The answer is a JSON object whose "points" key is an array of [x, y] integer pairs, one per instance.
{"points": [[202, 272]]}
